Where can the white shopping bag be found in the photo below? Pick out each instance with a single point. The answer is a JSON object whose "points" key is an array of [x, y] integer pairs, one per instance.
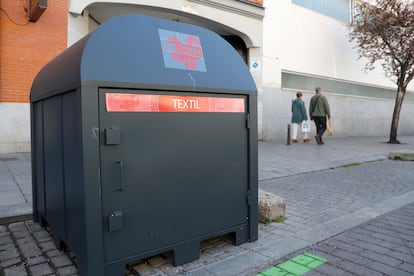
{"points": [[306, 126]]}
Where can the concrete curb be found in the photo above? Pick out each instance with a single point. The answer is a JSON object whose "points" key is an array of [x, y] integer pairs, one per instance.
{"points": [[403, 156], [16, 213]]}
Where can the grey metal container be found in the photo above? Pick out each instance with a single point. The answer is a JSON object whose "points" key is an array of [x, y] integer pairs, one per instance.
{"points": [[144, 140]]}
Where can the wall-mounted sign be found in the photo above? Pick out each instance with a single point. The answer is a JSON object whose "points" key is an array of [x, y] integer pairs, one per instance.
{"points": [[255, 66], [117, 102], [36, 9]]}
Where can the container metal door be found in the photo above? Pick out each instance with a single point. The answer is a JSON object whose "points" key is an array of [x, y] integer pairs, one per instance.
{"points": [[170, 175]]}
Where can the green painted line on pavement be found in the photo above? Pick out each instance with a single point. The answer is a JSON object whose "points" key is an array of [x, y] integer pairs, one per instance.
{"points": [[296, 266]]}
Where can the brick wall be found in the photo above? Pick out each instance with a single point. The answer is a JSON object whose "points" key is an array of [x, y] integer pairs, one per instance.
{"points": [[26, 47]]}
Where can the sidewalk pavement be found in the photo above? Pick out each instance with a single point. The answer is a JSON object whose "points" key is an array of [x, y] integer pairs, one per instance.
{"points": [[277, 161], [15, 187]]}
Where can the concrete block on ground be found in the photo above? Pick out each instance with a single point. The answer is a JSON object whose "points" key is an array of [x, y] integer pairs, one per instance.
{"points": [[271, 206], [404, 156]]}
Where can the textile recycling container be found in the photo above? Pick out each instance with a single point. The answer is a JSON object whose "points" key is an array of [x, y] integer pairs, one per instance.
{"points": [[144, 140]]}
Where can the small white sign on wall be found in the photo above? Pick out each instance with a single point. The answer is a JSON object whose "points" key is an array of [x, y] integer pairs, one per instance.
{"points": [[255, 66]]}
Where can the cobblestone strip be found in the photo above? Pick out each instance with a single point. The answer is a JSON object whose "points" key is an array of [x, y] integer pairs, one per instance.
{"points": [[322, 196], [383, 246], [28, 249]]}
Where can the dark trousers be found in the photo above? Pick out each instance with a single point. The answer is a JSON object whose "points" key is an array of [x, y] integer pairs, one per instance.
{"points": [[320, 123]]}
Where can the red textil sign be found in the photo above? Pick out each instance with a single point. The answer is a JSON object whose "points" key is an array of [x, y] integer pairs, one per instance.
{"points": [[117, 102]]}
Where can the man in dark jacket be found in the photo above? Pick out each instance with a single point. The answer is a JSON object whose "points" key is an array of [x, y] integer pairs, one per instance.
{"points": [[318, 111]]}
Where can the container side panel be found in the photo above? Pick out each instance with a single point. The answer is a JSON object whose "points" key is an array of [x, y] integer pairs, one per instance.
{"points": [[38, 185], [73, 189], [53, 160]]}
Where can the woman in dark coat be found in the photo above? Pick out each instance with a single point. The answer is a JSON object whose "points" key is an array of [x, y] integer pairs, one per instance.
{"points": [[298, 116]]}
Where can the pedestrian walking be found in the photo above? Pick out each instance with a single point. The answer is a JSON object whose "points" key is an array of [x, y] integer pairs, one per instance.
{"points": [[298, 117], [319, 111]]}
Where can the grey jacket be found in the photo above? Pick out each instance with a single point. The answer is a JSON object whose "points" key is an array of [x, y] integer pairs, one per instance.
{"points": [[319, 107]]}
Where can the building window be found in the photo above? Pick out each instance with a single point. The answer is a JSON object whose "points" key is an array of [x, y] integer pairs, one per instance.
{"points": [[338, 9], [357, 8], [304, 82]]}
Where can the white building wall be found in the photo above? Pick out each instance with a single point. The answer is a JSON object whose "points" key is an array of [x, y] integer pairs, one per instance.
{"points": [[303, 41], [14, 127]]}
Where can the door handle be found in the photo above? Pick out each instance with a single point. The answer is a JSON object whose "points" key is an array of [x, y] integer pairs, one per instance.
{"points": [[120, 166]]}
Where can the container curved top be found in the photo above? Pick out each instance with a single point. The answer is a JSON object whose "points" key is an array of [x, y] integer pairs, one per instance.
{"points": [[136, 51]]}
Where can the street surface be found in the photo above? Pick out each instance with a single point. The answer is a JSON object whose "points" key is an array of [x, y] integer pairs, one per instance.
{"points": [[359, 217]]}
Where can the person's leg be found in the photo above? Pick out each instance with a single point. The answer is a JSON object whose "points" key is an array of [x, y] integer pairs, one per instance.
{"points": [[322, 127], [305, 137], [321, 121], [317, 124], [294, 132]]}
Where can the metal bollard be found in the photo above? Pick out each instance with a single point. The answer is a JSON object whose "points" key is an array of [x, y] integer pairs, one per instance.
{"points": [[288, 135]]}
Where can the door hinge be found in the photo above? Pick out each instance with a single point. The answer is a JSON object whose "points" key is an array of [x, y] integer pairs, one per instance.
{"points": [[248, 121], [249, 197]]}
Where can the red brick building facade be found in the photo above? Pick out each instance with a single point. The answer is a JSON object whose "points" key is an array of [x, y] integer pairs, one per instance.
{"points": [[25, 47]]}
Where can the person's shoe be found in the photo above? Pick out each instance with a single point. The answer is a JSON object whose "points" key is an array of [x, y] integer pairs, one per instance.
{"points": [[318, 139], [306, 140], [294, 141], [322, 142]]}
